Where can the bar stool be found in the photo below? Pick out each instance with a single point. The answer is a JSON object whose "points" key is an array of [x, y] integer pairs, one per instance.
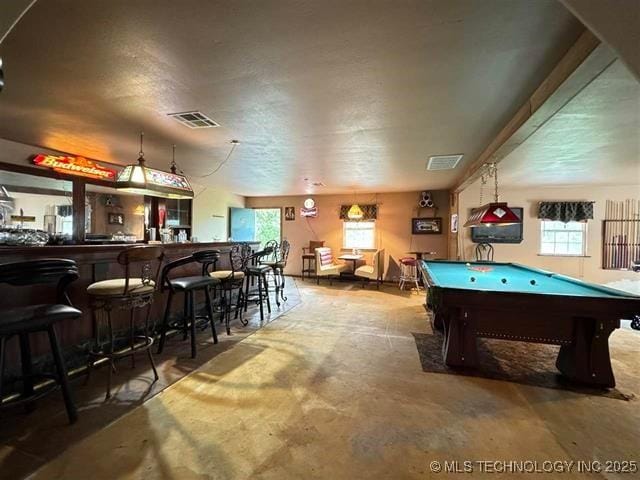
{"points": [[408, 272], [22, 321], [128, 293], [232, 280], [277, 267], [258, 271], [309, 257], [189, 286]]}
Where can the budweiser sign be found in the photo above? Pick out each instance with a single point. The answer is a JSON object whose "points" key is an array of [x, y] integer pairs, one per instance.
{"points": [[79, 166]]}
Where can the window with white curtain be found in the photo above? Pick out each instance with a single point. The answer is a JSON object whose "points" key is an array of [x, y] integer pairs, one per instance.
{"points": [[559, 238], [359, 235]]}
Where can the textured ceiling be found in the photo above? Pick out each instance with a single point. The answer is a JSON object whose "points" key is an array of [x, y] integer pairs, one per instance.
{"points": [[356, 94], [594, 139]]}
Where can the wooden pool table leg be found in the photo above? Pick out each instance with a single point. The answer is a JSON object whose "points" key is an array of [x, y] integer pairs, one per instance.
{"points": [[587, 359], [460, 348]]}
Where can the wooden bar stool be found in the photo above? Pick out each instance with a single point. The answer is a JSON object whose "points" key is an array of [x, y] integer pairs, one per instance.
{"points": [[127, 293], [189, 286], [309, 257], [23, 321]]}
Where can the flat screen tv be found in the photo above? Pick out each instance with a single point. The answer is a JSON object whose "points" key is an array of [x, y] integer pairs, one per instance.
{"points": [[496, 234]]}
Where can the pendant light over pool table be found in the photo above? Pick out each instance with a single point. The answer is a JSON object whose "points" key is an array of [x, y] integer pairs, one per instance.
{"points": [[495, 213], [140, 179]]}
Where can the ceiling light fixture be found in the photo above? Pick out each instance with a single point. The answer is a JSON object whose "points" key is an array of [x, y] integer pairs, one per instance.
{"points": [[355, 212], [140, 179], [495, 213]]}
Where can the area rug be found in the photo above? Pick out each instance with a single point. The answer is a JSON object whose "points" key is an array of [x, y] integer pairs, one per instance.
{"points": [[518, 362]]}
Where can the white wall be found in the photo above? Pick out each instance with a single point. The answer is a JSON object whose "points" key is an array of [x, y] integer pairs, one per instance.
{"points": [[588, 268], [211, 212]]}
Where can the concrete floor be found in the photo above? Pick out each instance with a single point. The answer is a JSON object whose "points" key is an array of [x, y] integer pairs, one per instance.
{"points": [[333, 389]]}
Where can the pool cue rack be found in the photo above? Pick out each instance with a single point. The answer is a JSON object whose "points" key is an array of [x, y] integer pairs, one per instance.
{"points": [[621, 235]]}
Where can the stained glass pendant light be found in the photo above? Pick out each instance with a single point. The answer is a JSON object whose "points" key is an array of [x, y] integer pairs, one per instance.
{"points": [[494, 213], [140, 179]]}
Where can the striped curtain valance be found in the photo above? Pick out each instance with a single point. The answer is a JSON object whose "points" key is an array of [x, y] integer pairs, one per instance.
{"points": [[566, 211], [370, 211]]}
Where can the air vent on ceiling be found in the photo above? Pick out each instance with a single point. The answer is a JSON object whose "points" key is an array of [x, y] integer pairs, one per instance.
{"points": [[443, 162], [194, 119]]}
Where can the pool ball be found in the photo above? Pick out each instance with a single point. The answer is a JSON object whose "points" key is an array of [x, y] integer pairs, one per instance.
{"points": [[504, 280], [468, 264], [473, 279]]}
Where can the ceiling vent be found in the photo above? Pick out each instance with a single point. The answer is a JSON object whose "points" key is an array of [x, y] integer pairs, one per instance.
{"points": [[444, 162], [194, 119]]}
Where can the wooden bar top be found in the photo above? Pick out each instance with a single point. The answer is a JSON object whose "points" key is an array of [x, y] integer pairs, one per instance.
{"points": [[61, 250]]}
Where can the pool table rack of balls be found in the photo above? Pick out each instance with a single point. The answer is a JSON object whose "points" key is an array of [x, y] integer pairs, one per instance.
{"points": [[514, 302]]}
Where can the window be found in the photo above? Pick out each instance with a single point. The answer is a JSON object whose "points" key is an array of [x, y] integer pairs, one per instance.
{"points": [[559, 238], [359, 235], [267, 225]]}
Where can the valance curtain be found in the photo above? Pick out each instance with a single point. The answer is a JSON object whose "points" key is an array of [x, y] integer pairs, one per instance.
{"points": [[566, 211], [370, 212]]}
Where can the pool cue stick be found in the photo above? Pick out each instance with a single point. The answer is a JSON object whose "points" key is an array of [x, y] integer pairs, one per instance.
{"points": [[637, 222], [608, 234], [611, 232], [613, 235], [628, 223], [624, 235], [616, 242], [605, 250], [629, 233]]}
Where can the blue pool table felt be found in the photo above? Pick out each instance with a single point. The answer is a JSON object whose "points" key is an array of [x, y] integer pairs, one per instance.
{"points": [[458, 275]]}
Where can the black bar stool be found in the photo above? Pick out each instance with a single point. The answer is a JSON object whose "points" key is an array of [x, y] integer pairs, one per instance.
{"points": [[258, 271], [277, 265], [189, 286], [22, 321], [128, 293], [232, 281]]}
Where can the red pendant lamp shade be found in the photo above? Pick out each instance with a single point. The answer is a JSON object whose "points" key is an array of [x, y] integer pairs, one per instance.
{"points": [[497, 213], [494, 213]]}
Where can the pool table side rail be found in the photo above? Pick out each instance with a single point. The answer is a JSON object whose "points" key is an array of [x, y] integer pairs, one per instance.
{"points": [[429, 278]]}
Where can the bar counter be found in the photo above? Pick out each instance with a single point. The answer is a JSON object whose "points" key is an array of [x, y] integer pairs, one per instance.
{"points": [[95, 263]]}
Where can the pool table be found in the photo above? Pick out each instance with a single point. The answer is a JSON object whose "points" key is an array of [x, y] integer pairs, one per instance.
{"points": [[514, 302]]}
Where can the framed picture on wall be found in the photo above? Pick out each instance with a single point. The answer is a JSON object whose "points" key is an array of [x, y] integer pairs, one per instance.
{"points": [[289, 213], [115, 218], [426, 226]]}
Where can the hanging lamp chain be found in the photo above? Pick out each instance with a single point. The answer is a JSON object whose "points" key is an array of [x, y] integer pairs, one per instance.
{"points": [[173, 160], [141, 153], [494, 172]]}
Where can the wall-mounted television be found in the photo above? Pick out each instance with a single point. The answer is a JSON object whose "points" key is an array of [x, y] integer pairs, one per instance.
{"points": [[499, 234]]}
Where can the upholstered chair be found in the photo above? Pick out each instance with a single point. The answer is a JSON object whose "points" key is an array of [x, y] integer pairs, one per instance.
{"points": [[325, 265], [375, 271]]}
